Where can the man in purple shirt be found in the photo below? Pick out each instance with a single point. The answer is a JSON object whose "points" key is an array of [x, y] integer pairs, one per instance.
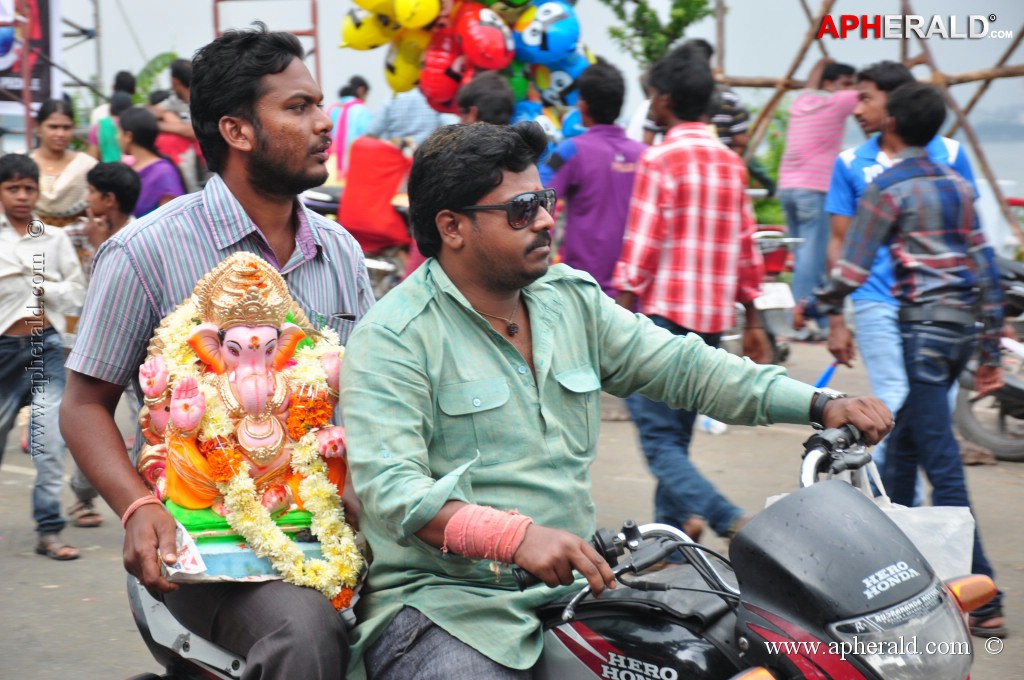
{"points": [[594, 173]]}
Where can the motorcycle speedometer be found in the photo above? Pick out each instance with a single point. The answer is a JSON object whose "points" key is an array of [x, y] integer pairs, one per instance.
{"points": [[923, 638]]}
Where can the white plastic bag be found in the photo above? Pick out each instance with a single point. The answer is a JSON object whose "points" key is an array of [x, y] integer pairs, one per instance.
{"points": [[944, 535]]}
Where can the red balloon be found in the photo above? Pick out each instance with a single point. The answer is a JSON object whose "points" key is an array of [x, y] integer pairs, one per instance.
{"points": [[486, 40], [440, 77]]}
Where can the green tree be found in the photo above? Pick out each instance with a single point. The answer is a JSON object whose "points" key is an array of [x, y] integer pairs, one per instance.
{"points": [[145, 81], [643, 35]]}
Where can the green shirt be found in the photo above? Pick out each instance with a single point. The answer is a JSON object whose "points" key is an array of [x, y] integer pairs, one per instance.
{"points": [[438, 406]]}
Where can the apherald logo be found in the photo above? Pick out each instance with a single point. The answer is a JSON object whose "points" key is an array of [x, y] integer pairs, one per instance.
{"points": [[899, 26]]}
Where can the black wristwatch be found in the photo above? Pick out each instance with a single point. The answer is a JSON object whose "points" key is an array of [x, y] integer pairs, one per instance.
{"points": [[822, 397]]}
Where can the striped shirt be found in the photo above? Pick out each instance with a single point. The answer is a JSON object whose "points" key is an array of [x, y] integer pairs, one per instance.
{"points": [[146, 270], [924, 213], [814, 137], [689, 254]]}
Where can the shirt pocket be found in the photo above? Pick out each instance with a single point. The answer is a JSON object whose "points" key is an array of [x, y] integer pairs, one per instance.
{"points": [[581, 402], [472, 421]]}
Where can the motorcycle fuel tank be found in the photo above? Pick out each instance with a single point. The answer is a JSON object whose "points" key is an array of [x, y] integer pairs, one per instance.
{"points": [[826, 553]]}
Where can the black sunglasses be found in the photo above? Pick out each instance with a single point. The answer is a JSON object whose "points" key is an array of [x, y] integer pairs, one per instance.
{"points": [[522, 210]]}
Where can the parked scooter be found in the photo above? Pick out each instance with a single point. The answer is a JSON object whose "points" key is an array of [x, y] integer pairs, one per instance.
{"points": [[821, 585], [996, 422], [776, 302]]}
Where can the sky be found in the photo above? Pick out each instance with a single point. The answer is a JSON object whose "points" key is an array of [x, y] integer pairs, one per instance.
{"points": [[761, 39]]}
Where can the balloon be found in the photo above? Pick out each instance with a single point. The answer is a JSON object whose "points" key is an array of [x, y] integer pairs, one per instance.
{"points": [[6, 39], [361, 30], [444, 67], [486, 40], [404, 60], [557, 82], [416, 13], [526, 110], [572, 124], [518, 76], [546, 33], [385, 7]]}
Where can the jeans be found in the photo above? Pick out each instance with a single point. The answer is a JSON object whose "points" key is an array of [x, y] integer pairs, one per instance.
{"points": [[32, 372], [934, 355], [878, 339], [665, 435], [413, 646], [807, 219]]}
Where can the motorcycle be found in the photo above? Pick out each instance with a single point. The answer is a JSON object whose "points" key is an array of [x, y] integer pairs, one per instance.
{"points": [[821, 584], [996, 421], [776, 302], [385, 266]]}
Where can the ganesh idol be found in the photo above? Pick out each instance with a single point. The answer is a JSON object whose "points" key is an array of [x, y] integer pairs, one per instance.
{"points": [[239, 392]]}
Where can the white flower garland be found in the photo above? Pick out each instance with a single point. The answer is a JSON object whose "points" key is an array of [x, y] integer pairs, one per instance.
{"points": [[342, 563]]}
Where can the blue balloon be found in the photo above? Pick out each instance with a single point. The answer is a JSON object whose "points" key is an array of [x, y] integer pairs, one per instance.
{"points": [[557, 82], [546, 33], [572, 124], [6, 39], [526, 110]]}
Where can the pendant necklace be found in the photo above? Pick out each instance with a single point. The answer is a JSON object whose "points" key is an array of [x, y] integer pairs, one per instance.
{"points": [[511, 327]]}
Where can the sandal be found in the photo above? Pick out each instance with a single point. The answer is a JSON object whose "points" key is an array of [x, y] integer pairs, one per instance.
{"points": [[988, 623], [51, 546], [84, 515]]}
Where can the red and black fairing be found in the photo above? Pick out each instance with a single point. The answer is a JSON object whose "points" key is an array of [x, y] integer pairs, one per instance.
{"points": [[633, 635], [800, 570]]}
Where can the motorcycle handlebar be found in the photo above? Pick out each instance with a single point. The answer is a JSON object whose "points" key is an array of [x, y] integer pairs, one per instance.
{"points": [[834, 450]]}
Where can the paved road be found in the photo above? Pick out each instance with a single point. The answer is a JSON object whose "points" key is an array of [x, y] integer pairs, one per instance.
{"points": [[71, 620]]}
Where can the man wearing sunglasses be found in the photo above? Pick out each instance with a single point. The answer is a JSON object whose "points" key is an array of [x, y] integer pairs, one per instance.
{"points": [[471, 395]]}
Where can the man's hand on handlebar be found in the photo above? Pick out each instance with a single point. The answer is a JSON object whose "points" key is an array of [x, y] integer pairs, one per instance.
{"points": [[868, 414], [552, 554], [151, 536]]}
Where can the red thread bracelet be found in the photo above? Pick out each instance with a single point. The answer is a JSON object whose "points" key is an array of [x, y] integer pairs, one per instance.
{"points": [[138, 503]]}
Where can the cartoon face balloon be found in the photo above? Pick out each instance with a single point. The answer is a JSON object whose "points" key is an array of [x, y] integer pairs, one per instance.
{"points": [[546, 33], [385, 7], [362, 30], [572, 124], [405, 58], [444, 69], [416, 13], [486, 40], [557, 82], [518, 76]]}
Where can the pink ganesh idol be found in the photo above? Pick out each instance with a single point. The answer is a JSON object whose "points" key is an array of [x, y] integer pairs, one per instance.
{"points": [[225, 390]]}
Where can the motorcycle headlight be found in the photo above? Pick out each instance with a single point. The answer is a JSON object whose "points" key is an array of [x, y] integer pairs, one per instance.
{"points": [[919, 639]]}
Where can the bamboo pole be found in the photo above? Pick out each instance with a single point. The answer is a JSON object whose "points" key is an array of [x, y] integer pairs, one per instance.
{"points": [[720, 36], [765, 115], [988, 81], [810, 18], [953, 79], [979, 154], [904, 41]]}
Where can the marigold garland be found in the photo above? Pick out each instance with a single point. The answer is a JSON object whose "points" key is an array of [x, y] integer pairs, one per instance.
{"points": [[337, 574], [309, 410]]}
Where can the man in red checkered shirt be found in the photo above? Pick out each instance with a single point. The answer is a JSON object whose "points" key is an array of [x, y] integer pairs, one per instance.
{"points": [[688, 257]]}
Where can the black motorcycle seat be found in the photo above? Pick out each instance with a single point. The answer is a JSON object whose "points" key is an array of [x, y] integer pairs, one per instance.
{"points": [[699, 610]]}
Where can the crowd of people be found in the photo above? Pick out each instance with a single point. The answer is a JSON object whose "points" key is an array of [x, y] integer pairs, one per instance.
{"points": [[472, 454]]}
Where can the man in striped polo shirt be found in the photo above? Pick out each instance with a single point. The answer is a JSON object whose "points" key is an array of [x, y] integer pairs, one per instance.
{"points": [[255, 110], [817, 117]]}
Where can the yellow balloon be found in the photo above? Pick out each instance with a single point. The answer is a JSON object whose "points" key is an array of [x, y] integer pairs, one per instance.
{"points": [[362, 30], [405, 58], [385, 7], [416, 13]]}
